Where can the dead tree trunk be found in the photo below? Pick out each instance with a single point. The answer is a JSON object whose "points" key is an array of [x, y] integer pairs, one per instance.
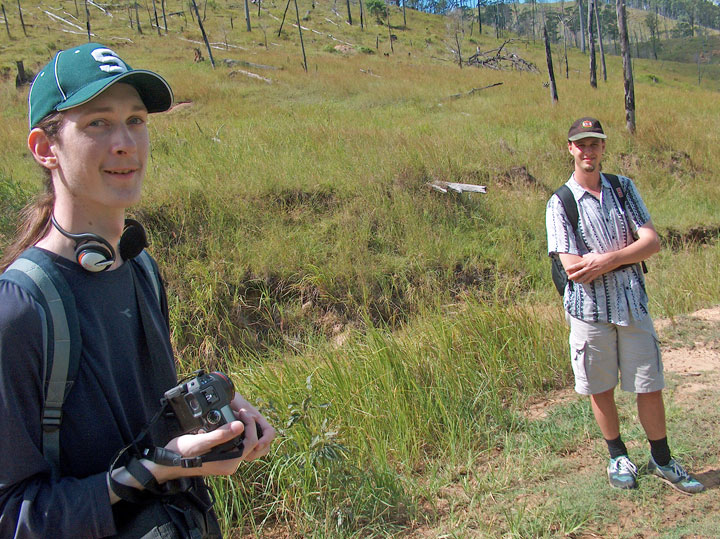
{"points": [[22, 22], [204, 35], [247, 16], [479, 18], [7, 26], [302, 44], [162, 5], [87, 22], [390, 36], [283, 19], [362, 16], [137, 19], [404, 16], [22, 77], [581, 20], [591, 43], [157, 22], [457, 44], [551, 73], [600, 42], [349, 14], [627, 67]]}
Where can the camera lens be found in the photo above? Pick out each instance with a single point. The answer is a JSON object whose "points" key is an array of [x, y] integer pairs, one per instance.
{"points": [[214, 417]]}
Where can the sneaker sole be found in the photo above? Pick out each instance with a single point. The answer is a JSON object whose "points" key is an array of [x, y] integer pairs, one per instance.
{"points": [[675, 486]]}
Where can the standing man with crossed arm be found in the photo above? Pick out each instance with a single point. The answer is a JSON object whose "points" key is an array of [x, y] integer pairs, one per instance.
{"points": [[606, 305]]}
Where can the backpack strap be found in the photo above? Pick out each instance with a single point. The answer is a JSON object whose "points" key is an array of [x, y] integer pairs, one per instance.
{"points": [[567, 199], [36, 273], [622, 200], [150, 270], [617, 189]]}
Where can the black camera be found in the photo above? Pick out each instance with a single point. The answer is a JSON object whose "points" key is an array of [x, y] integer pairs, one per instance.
{"points": [[204, 403]]}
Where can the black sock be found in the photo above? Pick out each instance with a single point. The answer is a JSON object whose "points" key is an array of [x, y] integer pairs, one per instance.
{"points": [[616, 447], [660, 451]]}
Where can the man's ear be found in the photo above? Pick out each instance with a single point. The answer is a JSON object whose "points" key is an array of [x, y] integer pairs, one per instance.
{"points": [[42, 149]]}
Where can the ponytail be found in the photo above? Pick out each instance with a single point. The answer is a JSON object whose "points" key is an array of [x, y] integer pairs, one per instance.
{"points": [[35, 217]]}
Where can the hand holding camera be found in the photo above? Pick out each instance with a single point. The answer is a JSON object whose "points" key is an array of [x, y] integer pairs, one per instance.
{"points": [[204, 403]]}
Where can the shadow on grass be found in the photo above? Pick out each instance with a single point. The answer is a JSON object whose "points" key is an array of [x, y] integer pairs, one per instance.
{"points": [[711, 478]]}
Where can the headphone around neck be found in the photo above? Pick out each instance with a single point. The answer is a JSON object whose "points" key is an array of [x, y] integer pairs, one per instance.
{"points": [[95, 254]]}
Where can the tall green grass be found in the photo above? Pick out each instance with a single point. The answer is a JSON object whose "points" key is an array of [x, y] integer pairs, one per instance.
{"points": [[358, 427]]}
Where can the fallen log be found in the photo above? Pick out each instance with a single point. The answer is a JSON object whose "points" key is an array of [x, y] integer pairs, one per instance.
{"points": [[459, 188], [471, 92]]}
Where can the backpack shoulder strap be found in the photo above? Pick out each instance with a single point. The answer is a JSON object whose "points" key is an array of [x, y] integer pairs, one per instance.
{"points": [[35, 272], [617, 189], [150, 270], [569, 204]]}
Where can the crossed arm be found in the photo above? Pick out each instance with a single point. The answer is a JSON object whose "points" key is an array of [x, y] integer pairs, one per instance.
{"points": [[585, 269]]}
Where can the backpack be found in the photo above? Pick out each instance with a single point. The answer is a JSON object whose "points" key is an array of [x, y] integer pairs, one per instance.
{"points": [[184, 515], [557, 270], [36, 273]]}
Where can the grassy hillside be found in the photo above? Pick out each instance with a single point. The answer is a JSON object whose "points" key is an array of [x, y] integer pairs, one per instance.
{"points": [[392, 332]]}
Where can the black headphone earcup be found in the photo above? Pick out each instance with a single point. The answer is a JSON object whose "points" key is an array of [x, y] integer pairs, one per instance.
{"points": [[94, 256], [133, 240]]}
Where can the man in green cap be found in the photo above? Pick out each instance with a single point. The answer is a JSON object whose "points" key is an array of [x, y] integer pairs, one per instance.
{"points": [[88, 115]]}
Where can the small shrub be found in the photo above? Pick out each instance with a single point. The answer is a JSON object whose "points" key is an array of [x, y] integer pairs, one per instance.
{"points": [[365, 50]]}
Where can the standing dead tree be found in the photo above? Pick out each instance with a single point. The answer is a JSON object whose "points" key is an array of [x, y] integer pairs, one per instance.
{"points": [[581, 19], [22, 21], [283, 19], [7, 26], [157, 22], [302, 44], [591, 44], [247, 16], [600, 43], [87, 22], [551, 73], [627, 67], [202, 31]]}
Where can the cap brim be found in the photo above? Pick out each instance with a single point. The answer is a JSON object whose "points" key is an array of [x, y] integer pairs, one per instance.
{"points": [[586, 135], [154, 91]]}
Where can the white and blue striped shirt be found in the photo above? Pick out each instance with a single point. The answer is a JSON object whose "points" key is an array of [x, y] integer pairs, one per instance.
{"points": [[619, 295]]}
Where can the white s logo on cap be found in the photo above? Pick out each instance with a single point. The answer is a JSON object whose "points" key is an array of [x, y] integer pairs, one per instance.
{"points": [[110, 63]]}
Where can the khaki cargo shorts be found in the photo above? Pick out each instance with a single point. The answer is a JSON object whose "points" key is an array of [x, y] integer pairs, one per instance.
{"points": [[600, 351]]}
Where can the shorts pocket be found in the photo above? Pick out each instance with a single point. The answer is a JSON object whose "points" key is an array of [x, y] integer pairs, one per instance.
{"points": [[658, 355], [579, 362]]}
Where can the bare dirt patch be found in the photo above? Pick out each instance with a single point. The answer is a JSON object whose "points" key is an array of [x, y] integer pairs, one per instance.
{"points": [[691, 355]]}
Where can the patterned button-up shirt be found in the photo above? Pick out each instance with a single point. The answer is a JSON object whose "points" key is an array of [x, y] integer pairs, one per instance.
{"points": [[616, 296]]}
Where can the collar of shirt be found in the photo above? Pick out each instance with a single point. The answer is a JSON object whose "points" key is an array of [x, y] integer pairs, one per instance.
{"points": [[579, 191]]}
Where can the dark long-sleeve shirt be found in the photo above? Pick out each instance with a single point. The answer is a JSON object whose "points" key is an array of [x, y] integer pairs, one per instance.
{"points": [[116, 392]]}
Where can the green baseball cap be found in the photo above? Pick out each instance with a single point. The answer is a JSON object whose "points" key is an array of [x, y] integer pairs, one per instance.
{"points": [[75, 76]]}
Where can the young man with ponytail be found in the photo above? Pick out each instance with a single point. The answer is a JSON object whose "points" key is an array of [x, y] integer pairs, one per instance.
{"points": [[88, 131]]}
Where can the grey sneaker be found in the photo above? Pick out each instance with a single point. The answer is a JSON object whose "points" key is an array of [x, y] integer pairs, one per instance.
{"points": [[675, 476], [622, 473]]}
